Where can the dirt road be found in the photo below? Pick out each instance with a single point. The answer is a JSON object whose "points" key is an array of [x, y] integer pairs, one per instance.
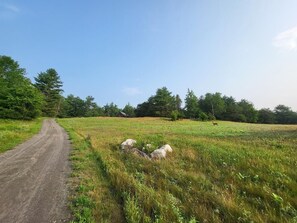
{"points": [[33, 178]]}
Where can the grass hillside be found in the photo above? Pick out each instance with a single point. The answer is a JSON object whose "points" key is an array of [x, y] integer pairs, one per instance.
{"points": [[14, 132], [233, 172]]}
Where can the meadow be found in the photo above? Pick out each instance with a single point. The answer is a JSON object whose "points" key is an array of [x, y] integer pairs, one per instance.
{"points": [[233, 172], [14, 132]]}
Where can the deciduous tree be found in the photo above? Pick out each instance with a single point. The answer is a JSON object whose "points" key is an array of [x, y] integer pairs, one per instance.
{"points": [[266, 116], [213, 104], [285, 115], [19, 99]]}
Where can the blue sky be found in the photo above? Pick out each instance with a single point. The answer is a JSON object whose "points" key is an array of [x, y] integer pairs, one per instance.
{"points": [[122, 51]]}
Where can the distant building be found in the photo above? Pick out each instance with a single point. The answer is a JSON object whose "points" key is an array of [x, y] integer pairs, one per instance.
{"points": [[123, 114]]}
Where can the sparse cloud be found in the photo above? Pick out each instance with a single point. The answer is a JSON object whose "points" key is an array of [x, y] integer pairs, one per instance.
{"points": [[131, 91], [287, 39], [12, 8], [8, 11]]}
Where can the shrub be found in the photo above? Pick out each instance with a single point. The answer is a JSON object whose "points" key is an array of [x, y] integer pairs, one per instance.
{"points": [[174, 115], [203, 116]]}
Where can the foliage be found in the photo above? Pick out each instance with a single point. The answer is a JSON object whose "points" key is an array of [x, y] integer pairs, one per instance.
{"points": [[111, 110], [191, 105], [73, 107], [285, 115], [161, 104], [50, 86], [267, 116], [203, 117], [248, 111], [213, 104], [129, 110], [234, 172], [174, 115], [233, 111], [19, 99], [76, 107], [92, 109], [143, 109]]}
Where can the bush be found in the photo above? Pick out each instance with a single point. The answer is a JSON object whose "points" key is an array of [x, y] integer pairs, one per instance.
{"points": [[174, 115], [202, 116]]}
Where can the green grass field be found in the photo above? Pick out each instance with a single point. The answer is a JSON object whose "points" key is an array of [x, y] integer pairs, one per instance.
{"points": [[14, 132], [233, 172]]}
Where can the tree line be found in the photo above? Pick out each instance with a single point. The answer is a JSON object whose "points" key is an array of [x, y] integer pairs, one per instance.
{"points": [[211, 107], [22, 99]]}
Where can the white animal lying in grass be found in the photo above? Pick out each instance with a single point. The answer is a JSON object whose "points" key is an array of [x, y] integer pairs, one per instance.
{"points": [[161, 152]]}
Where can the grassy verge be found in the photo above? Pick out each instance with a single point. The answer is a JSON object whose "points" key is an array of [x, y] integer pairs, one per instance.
{"points": [[14, 132], [233, 172], [91, 198]]}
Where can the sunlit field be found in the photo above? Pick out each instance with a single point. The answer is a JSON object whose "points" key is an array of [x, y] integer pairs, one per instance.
{"points": [[233, 172], [13, 132]]}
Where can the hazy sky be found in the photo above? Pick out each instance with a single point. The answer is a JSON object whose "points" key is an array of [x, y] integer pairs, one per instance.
{"points": [[122, 51]]}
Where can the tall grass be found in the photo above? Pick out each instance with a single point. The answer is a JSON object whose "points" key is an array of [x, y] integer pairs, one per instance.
{"points": [[13, 132], [232, 172]]}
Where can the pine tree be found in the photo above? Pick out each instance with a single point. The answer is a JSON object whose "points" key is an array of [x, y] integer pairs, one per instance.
{"points": [[191, 105], [50, 85]]}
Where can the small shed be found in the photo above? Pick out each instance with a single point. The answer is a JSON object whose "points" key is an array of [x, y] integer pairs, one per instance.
{"points": [[123, 114]]}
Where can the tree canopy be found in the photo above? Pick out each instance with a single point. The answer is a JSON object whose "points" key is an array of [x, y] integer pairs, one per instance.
{"points": [[19, 99], [191, 105], [129, 110], [161, 104], [50, 86]]}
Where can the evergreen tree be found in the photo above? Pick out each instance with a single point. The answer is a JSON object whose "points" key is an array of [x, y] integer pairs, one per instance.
{"points": [[50, 86], [19, 99], [92, 109], [111, 110], [178, 103], [163, 103], [129, 110], [143, 109], [191, 105]]}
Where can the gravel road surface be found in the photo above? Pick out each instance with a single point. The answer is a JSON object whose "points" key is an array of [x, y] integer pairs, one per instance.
{"points": [[33, 178]]}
